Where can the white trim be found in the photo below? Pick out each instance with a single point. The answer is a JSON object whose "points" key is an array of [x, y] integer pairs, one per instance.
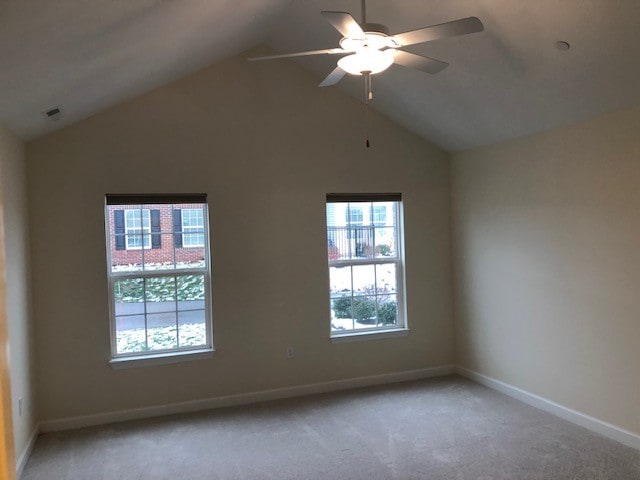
{"points": [[242, 398], [355, 336], [26, 453], [601, 427], [148, 360]]}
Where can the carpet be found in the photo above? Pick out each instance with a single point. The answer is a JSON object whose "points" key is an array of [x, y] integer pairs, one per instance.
{"points": [[447, 428]]}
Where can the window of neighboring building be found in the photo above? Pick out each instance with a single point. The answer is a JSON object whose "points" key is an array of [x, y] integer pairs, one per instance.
{"points": [[355, 218], [160, 292], [365, 263], [192, 227], [355, 215], [379, 213], [137, 227]]}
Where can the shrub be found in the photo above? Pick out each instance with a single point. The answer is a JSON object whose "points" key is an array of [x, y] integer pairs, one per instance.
{"points": [[384, 250], [333, 252], [387, 313], [342, 307], [364, 309]]}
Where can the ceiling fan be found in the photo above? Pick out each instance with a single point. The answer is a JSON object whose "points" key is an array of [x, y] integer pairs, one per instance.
{"points": [[369, 48]]}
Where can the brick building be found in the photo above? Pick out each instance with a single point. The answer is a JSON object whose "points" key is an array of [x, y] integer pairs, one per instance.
{"points": [[159, 234]]}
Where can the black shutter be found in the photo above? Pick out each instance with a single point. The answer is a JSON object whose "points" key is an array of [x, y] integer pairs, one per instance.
{"points": [[156, 238], [118, 220], [177, 228]]}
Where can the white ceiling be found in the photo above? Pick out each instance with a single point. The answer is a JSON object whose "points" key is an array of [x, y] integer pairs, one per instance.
{"points": [[87, 55], [505, 82]]}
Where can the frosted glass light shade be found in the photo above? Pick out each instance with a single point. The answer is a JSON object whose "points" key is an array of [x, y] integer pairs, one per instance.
{"points": [[367, 60]]}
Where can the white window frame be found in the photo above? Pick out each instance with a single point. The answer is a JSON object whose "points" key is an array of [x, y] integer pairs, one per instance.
{"points": [[401, 326], [187, 230], [134, 232], [155, 357]]}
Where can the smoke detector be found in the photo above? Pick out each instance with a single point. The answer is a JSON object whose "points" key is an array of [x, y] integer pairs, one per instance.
{"points": [[53, 114]]}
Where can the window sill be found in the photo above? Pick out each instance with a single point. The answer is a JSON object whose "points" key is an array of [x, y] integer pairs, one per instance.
{"points": [[375, 335], [160, 359]]}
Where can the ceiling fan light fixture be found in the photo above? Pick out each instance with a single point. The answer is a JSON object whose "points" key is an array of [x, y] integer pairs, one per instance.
{"points": [[367, 60]]}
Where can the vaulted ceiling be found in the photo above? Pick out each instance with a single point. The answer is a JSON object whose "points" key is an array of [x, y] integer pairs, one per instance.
{"points": [[505, 82]]}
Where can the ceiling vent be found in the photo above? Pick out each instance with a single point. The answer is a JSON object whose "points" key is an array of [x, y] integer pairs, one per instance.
{"points": [[53, 114]]}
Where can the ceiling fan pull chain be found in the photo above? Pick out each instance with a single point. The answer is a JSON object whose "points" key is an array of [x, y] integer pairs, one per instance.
{"points": [[364, 12], [366, 124], [368, 96]]}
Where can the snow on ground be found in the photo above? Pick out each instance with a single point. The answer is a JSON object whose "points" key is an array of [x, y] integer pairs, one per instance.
{"points": [[161, 338]]}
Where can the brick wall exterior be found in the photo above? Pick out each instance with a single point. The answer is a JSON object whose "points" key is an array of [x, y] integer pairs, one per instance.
{"points": [[164, 254]]}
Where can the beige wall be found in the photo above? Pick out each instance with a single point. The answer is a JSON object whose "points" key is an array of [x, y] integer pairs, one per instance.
{"points": [[14, 190], [266, 144], [547, 271]]}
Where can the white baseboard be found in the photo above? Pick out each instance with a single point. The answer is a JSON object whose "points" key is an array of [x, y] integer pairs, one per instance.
{"points": [[242, 398], [598, 426], [26, 453]]}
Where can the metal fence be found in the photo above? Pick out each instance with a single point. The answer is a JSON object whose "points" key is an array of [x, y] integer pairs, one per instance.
{"points": [[350, 242]]}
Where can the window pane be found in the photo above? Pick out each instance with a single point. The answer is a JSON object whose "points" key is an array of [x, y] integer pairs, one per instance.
{"points": [[341, 313], [158, 252], [385, 242], [387, 310], [122, 258], [161, 331], [191, 291], [338, 243], [340, 281], [130, 334], [192, 329], [386, 278], [364, 279], [364, 311], [379, 214], [362, 242], [193, 257], [160, 294], [129, 296]]}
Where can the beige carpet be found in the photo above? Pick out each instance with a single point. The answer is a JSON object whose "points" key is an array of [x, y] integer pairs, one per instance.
{"points": [[447, 428]]}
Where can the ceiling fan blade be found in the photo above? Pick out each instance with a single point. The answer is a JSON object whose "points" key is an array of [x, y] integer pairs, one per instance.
{"points": [[344, 23], [424, 64], [443, 30], [333, 78], [326, 51]]}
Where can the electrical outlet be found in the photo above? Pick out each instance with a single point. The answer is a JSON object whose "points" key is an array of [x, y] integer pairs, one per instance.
{"points": [[289, 352], [20, 406]]}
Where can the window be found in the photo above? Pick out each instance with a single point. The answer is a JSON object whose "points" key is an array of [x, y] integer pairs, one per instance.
{"points": [[379, 215], [160, 291], [364, 246], [192, 227], [137, 223], [355, 215], [355, 218]]}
